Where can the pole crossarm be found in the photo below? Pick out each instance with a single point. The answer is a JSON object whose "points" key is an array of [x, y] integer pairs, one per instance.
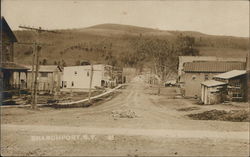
{"points": [[32, 43], [39, 29]]}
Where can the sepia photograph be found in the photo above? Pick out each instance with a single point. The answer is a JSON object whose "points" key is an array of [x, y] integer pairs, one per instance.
{"points": [[125, 78]]}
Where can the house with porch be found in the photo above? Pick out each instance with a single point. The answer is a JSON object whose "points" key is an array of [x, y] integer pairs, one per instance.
{"points": [[8, 66], [49, 78]]}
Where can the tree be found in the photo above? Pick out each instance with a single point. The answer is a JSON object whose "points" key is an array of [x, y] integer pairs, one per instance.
{"points": [[44, 62], [64, 63], [186, 45], [78, 62], [164, 56]]}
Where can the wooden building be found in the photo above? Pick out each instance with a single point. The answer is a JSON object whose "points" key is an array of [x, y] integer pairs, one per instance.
{"points": [[237, 85], [194, 73], [213, 92], [8, 67], [49, 78]]}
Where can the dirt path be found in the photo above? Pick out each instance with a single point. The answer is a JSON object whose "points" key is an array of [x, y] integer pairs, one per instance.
{"points": [[158, 129]]}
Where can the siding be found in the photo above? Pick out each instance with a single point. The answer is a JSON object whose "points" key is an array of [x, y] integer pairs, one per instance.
{"points": [[192, 86]]}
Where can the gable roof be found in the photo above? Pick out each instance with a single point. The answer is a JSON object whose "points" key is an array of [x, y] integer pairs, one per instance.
{"points": [[213, 66], [4, 27], [45, 68], [231, 74], [212, 83]]}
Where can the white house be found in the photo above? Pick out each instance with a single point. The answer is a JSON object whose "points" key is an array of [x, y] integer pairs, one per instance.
{"points": [[78, 77]]}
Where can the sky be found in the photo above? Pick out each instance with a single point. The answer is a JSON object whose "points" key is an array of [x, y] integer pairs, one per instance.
{"points": [[210, 17]]}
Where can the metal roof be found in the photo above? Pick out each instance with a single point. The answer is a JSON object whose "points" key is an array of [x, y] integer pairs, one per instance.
{"points": [[211, 83], [231, 74], [213, 66]]}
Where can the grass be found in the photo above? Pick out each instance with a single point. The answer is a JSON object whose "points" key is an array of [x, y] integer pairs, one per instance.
{"points": [[75, 44]]}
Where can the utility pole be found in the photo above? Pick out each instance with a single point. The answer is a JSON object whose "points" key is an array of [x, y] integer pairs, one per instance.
{"points": [[32, 74], [35, 56], [34, 104], [35, 46], [90, 83]]}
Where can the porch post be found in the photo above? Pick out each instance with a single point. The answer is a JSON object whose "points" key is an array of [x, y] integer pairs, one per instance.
{"points": [[26, 79], [19, 80]]}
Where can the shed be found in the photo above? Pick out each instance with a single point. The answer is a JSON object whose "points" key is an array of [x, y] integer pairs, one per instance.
{"points": [[213, 92], [237, 84]]}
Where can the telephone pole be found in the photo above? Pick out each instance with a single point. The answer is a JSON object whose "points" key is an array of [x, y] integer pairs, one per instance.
{"points": [[90, 83], [36, 55]]}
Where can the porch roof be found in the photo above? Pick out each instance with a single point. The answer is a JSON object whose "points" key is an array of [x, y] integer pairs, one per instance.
{"points": [[231, 74], [13, 66]]}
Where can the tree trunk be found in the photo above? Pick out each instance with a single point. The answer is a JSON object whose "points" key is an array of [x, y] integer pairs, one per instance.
{"points": [[159, 88]]}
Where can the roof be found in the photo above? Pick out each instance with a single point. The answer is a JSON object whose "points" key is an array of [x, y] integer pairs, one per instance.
{"points": [[45, 68], [87, 67], [211, 58], [213, 66], [211, 83], [231, 74], [12, 66], [6, 28]]}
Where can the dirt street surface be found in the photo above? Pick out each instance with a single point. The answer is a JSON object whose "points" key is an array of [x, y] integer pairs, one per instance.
{"points": [[134, 122]]}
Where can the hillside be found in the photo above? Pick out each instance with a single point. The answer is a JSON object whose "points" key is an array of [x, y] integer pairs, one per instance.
{"points": [[93, 43]]}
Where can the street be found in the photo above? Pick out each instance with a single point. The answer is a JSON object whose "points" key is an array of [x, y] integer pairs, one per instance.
{"points": [[157, 128]]}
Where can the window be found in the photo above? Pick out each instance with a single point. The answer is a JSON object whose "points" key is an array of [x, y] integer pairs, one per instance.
{"points": [[72, 84], [88, 73], [206, 76], [193, 77], [75, 72], [44, 74], [65, 84]]}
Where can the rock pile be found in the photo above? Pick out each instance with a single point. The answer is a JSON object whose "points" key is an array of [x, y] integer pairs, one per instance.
{"points": [[123, 114]]}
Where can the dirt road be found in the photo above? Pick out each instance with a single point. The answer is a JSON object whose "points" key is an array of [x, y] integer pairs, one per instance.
{"points": [[157, 128]]}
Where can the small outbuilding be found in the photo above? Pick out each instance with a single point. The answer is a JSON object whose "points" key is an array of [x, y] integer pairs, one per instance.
{"points": [[213, 92], [237, 84]]}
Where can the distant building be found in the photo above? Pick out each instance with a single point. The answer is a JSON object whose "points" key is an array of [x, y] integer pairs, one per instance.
{"points": [[49, 78], [194, 73], [78, 77], [186, 59], [8, 67], [129, 74], [236, 84]]}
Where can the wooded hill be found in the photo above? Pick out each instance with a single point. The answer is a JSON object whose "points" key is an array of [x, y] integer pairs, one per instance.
{"points": [[113, 42]]}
